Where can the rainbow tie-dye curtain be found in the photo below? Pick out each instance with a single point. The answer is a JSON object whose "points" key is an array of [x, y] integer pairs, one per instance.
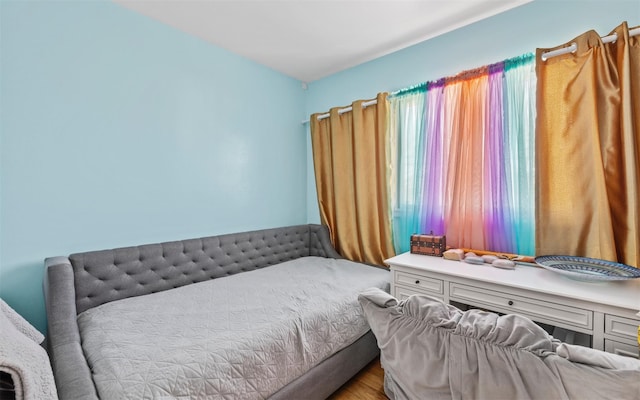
{"points": [[462, 158]]}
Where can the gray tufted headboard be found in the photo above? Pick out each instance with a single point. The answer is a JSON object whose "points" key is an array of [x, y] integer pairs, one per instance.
{"points": [[107, 275], [85, 280]]}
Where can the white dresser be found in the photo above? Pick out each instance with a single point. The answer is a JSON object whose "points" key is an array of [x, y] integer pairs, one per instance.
{"points": [[607, 311]]}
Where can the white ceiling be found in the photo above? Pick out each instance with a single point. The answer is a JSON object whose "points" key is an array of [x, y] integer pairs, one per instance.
{"points": [[311, 39]]}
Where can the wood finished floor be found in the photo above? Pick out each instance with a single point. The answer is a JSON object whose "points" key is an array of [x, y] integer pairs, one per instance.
{"points": [[367, 385]]}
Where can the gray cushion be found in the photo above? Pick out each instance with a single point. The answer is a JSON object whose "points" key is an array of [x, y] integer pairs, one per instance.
{"points": [[432, 350]]}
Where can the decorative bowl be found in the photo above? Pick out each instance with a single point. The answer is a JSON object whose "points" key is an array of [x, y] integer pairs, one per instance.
{"points": [[588, 269]]}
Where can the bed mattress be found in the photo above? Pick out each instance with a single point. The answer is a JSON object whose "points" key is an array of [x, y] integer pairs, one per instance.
{"points": [[244, 336]]}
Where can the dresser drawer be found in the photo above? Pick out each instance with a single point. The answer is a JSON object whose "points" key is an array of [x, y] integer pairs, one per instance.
{"points": [[541, 311], [424, 284], [624, 327], [401, 293], [623, 349]]}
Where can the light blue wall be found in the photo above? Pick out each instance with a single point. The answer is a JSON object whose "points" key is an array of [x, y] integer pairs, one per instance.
{"points": [[542, 23], [117, 130]]}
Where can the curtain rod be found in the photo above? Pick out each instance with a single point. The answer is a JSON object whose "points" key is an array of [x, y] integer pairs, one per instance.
{"points": [[572, 49], [545, 56], [344, 110], [423, 86]]}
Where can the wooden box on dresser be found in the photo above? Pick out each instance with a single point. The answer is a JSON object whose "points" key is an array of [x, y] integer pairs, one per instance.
{"points": [[607, 311]]}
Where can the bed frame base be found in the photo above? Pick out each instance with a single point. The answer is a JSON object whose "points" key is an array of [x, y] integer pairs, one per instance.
{"points": [[327, 377]]}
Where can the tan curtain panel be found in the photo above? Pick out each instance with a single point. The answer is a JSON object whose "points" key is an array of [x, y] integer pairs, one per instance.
{"points": [[350, 161], [588, 149]]}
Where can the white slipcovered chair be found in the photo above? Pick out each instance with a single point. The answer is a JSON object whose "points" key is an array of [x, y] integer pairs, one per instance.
{"points": [[23, 361], [432, 350]]}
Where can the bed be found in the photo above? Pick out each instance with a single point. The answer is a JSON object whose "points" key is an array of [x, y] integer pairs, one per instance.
{"points": [[254, 315]]}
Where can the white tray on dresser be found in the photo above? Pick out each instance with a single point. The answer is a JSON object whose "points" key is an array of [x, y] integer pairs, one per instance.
{"points": [[608, 311]]}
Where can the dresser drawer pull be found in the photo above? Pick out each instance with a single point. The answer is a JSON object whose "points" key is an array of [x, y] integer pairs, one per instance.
{"points": [[417, 282], [510, 302]]}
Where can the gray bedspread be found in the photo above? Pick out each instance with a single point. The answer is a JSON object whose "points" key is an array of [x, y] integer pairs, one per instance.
{"points": [[240, 337]]}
